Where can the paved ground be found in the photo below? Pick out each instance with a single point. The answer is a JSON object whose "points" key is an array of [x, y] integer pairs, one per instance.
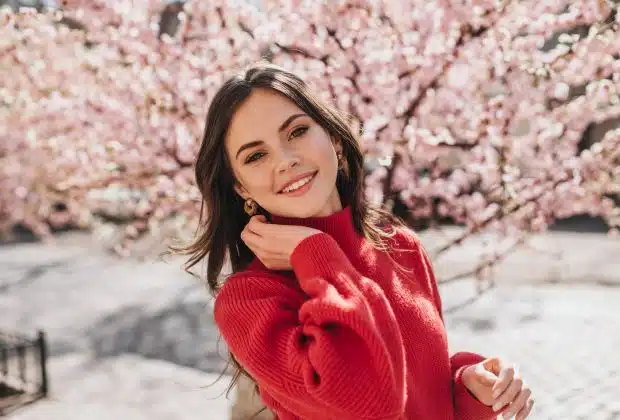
{"points": [[136, 341], [564, 339], [127, 387]]}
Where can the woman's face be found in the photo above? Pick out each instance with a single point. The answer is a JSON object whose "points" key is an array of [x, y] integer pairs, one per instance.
{"points": [[281, 158]]}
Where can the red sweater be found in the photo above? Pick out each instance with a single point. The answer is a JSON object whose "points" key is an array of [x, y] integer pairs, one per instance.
{"points": [[346, 335]]}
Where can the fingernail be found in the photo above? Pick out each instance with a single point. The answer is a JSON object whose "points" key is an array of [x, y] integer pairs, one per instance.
{"points": [[495, 394], [498, 406]]}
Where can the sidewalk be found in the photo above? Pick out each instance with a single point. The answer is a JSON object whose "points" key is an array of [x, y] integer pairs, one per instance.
{"points": [[127, 387], [564, 339], [137, 341], [550, 257]]}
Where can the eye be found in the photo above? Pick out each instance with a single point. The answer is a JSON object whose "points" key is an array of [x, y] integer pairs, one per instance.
{"points": [[254, 157], [299, 131]]}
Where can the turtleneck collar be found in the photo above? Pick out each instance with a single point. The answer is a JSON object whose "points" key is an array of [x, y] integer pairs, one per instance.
{"points": [[338, 225]]}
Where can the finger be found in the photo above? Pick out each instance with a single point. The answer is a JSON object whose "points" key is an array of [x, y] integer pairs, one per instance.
{"points": [[509, 395], [257, 224], [518, 403], [506, 375], [493, 364], [484, 376], [252, 240], [261, 226], [525, 411], [258, 246], [248, 233]]}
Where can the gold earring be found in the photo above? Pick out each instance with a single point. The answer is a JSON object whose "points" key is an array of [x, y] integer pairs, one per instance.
{"points": [[250, 207]]}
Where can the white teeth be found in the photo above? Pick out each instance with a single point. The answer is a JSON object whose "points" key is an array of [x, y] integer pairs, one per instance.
{"points": [[297, 185]]}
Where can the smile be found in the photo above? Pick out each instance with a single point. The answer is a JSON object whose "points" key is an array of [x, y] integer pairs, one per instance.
{"points": [[299, 187]]}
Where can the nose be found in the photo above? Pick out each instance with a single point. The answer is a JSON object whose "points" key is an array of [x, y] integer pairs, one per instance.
{"points": [[287, 161]]}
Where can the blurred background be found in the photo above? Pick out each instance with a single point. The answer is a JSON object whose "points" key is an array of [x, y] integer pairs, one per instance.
{"points": [[491, 127]]}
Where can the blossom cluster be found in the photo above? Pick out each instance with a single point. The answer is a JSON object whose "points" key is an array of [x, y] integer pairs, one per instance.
{"points": [[477, 111]]}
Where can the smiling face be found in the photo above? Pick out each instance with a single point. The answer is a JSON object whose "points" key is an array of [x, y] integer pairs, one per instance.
{"points": [[282, 158]]}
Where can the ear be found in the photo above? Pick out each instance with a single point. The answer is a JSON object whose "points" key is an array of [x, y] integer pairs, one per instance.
{"points": [[337, 144], [241, 191]]}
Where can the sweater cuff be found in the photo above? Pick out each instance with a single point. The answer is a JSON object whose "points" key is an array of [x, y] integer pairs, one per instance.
{"points": [[319, 255], [466, 404]]}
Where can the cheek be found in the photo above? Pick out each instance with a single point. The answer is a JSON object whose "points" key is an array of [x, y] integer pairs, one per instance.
{"points": [[329, 160], [257, 181], [322, 150]]}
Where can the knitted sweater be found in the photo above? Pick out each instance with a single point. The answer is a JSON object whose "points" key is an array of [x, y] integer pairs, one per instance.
{"points": [[346, 335]]}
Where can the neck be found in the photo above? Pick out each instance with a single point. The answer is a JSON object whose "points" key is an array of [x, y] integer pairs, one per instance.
{"points": [[333, 205], [339, 225]]}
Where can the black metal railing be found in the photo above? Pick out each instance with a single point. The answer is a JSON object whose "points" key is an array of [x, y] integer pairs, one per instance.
{"points": [[23, 372]]}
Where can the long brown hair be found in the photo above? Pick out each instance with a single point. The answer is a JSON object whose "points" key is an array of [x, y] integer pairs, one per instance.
{"points": [[222, 217]]}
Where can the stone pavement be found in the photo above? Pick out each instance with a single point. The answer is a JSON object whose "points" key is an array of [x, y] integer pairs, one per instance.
{"points": [[137, 341], [127, 387], [565, 341], [552, 257]]}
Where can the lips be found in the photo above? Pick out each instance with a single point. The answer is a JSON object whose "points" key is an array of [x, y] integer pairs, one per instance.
{"points": [[296, 179]]}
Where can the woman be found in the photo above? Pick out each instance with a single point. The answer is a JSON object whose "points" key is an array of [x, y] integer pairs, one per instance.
{"points": [[332, 308]]}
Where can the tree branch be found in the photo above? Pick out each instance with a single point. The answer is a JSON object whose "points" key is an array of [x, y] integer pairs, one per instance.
{"points": [[413, 105], [515, 207], [484, 264]]}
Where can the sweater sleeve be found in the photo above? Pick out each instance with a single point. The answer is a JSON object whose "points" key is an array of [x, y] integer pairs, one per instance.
{"points": [[466, 406], [336, 349]]}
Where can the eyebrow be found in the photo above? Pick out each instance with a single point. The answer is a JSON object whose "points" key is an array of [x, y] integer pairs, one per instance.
{"points": [[255, 143]]}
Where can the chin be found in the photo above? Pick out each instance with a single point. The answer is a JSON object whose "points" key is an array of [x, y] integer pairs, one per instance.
{"points": [[301, 208], [302, 211]]}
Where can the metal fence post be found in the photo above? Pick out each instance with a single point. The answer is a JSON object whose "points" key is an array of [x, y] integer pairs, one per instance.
{"points": [[43, 362], [4, 359], [21, 362]]}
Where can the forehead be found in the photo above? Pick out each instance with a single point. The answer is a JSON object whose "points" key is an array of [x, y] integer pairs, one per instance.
{"points": [[260, 114]]}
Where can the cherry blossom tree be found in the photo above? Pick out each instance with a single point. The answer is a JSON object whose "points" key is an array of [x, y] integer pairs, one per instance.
{"points": [[473, 111]]}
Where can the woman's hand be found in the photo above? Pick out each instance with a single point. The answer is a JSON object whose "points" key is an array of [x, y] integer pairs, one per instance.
{"points": [[494, 383], [274, 244]]}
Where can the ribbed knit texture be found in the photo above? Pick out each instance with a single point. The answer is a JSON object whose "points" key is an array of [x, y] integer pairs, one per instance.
{"points": [[347, 335]]}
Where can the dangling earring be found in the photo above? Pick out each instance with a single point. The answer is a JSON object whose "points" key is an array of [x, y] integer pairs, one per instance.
{"points": [[250, 207]]}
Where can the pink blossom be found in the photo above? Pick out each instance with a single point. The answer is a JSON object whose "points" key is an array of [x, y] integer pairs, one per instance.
{"points": [[459, 103]]}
